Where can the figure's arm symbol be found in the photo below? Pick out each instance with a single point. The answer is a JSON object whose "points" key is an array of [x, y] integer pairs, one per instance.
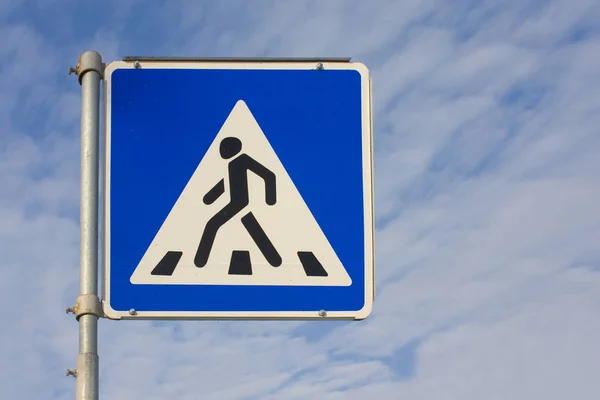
{"points": [[268, 177], [213, 194]]}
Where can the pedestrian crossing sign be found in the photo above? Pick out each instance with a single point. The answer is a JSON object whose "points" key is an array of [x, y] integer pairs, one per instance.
{"points": [[238, 189]]}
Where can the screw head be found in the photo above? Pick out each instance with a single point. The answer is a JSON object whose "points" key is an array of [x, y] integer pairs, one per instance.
{"points": [[322, 313], [72, 70], [137, 65], [132, 311], [320, 65]]}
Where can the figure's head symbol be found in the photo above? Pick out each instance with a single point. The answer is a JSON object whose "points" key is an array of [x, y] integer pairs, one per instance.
{"points": [[230, 146]]}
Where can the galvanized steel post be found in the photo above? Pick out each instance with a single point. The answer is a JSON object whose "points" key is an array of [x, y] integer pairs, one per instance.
{"points": [[87, 309]]}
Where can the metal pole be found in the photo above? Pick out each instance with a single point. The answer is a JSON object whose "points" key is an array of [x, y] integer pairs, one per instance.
{"points": [[87, 309]]}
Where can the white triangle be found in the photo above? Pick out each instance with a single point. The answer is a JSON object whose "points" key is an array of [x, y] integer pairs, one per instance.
{"points": [[289, 223]]}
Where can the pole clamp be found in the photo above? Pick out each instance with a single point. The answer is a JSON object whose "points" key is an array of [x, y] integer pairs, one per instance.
{"points": [[89, 61], [86, 304]]}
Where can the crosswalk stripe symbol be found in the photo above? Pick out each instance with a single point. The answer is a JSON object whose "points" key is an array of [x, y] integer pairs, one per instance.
{"points": [[240, 220]]}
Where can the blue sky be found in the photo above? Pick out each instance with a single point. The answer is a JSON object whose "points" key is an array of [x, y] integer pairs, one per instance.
{"points": [[486, 172]]}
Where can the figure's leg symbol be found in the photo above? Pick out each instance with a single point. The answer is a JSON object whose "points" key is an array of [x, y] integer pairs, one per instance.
{"points": [[261, 239], [210, 233]]}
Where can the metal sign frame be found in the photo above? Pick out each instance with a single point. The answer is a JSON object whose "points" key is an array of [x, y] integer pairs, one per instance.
{"points": [[245, 63]]}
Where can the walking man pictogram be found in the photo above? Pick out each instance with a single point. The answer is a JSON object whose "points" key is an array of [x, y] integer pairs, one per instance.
{"points": [[238, 169]]}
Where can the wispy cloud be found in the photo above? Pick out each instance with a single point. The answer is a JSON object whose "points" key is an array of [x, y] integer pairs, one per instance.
{"points": [[486, 136]]}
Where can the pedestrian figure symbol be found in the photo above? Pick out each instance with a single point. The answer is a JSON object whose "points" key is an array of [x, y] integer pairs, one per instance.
{"points": [[238, 170], [224, 229]]}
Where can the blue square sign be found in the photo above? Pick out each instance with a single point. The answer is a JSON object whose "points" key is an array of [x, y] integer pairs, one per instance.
{"points": [[238, 189]]}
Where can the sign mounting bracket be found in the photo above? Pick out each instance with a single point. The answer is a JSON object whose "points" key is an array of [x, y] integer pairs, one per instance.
{"points": [[236, 59]]}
